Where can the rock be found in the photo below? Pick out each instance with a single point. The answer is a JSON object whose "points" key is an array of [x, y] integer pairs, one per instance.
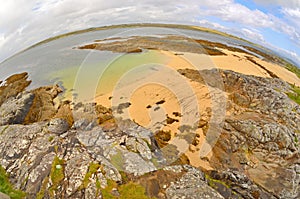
{"points": [[261, 139], [257, 137], [13, 85], [4, 196], [43, 107], [202, 123], [15, 109], [38, 174], [136, 44], [84, 124], [140, 146], [58, 126], [233, 184], [135, 164], [76, 168], [92, 113], [64, 111], [137, 50], [96, 141], [162, 137], [121, 107], [132, 129], [191, 185]]}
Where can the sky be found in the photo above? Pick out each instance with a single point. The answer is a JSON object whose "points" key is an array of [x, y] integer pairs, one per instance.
{"points": [[272, 23]]}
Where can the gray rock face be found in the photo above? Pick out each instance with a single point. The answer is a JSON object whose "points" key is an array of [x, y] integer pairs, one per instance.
{"points": [[191, 185], [28, 153], [15, 109], [234, 184], [58, 126], [140, 146], [135, 164], [262, 133], [259, 138], [133, 158]]}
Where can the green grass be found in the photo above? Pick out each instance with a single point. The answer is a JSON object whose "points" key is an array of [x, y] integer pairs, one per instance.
{"points": [[50, 138], [133, 191], [293, 69], [93, 168], [213, 182], [295, 95], [4, 129], [56, 174], [106, 193], [129, 190], [41, 193], [7, 188]]}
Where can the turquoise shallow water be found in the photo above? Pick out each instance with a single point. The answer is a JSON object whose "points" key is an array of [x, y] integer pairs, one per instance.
{"points": [[89, 80]]}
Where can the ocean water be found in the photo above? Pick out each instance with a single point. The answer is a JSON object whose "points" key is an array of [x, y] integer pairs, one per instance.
{"points": [[92, 72]]}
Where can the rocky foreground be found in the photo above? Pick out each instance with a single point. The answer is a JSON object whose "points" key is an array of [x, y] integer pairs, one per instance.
{"points": [[83, 151]]}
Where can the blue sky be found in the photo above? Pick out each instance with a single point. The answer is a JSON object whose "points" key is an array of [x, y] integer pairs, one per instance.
{"points": [[271, 23]]}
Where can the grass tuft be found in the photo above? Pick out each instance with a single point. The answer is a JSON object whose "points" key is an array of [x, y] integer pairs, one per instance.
{"points": [[56, 174], [93, 168], [129, 190], [133, 191], [7, 188]]}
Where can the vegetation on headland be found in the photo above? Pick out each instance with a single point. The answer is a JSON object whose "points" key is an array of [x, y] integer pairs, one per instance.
{"points": [[295, 94], [275, 59], [7, 188], [293, 68]]}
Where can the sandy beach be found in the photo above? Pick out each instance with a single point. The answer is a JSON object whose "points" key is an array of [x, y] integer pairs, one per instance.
{"points": [[160, 94], [238, 62]]}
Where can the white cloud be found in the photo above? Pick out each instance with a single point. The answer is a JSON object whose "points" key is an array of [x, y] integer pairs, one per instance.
{"points": [[12, 14], [211, 25], [234, 12], [292, 12], [34, 20], [250, 34], [2, 40], [289, 54], [254, 35], [283, 3], [292, 15], [30, 21]]}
